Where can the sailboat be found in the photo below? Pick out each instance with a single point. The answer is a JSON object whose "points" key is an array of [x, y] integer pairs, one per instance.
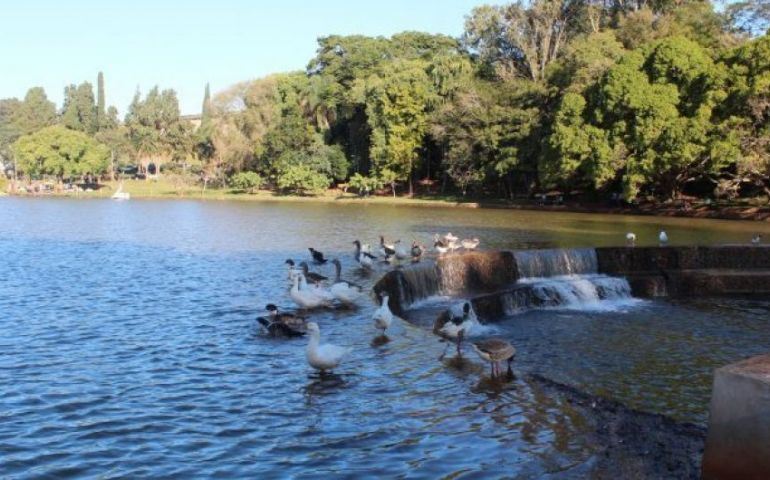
{"points": [[120, 194]]}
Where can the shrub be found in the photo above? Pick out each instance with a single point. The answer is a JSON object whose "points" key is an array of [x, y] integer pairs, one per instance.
{"points": [[302, 180], [246, 181]]}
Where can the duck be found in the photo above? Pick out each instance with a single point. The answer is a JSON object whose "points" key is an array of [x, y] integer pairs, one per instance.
{"points": [[440, 245], [416, 251], [324, 357], [383, 317], [318, 257], [316, 290], [279, 324], [470, 244], [401, 253], [312, 276], [756, 239], [363, 257], [345, 292], [630, 239], [386, 250], [495, 350], [450, 238], [663, 237], [305, 298], [453, 327]]}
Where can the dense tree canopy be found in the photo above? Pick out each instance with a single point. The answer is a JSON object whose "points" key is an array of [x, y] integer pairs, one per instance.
{"points": [[60, 152]]}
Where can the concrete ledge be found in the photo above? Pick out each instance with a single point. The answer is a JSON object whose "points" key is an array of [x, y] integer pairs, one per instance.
{"points": [[738, 440]]}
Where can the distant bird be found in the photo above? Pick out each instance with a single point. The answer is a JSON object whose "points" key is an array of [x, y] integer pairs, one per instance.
{"points": [[312, 276], [494, 351], [450, 238], [756, 239], [324, 357], [470, 244], [365, 259], [401, 253], [386, 250], [305, 298], [345, 292], [454, 327], [630, 239], [383, 317], [318, 257], [663, 237], [280, 324], [416, 251], [440, 245], [290, 267]]}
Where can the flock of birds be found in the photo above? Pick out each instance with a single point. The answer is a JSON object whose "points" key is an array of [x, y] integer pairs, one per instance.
{"points": [[309, 291], [663, 238]]}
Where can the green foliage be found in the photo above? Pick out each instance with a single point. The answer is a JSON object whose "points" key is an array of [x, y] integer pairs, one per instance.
{"points": [[364, 185], [246, 181], [302, 180], [60, 152], [80, 110]]}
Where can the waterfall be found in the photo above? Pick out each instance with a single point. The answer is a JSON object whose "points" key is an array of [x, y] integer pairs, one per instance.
{"points": [[550, 263], [418, 282], [582, 292]]}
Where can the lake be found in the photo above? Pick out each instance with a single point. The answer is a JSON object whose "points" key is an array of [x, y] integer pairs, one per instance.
{"points": [[129, 347]]}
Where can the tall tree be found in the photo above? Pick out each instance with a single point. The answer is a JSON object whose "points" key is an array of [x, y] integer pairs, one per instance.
{"points": [[101, 113], [79, 111]]}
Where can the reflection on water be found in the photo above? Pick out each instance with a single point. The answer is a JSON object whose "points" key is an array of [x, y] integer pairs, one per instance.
{"points": [[129, 347]]}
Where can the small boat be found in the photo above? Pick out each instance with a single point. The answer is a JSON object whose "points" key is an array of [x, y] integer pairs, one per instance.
{"points": [[120, 194]]}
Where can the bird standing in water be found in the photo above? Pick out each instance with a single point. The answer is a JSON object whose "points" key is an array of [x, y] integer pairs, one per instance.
{"points": [[494, 351], [318, 257], [454, 327]]}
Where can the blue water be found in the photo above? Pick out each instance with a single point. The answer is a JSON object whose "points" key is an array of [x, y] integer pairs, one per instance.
{"points": [[128, 349]]}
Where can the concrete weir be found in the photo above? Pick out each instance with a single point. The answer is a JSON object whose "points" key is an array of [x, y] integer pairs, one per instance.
{"points": [[496, 281]]}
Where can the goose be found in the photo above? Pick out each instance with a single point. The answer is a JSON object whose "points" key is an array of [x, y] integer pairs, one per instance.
{"points": [[292, 270], [305, 298], [756, 239], [282, 324], [364, 258], [440, 245], [386, 251], [494, 351], [454, 327], [316, 290], [345, 292], [663, 237], [630, 239], [322, 357], [453, 246], [318, 257], [312, 276], [450, 238], [401, 253], [383, 317], [416, 251], [470, 244]]}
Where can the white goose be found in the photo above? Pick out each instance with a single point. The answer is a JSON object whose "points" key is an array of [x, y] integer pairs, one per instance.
{"points": [[630, 239], [322, 357], [450, 238], [663, 238], [470, 243], [343, 291], [454, 327], [304, 298], [316, 290], [363, 256], [383, 317]]}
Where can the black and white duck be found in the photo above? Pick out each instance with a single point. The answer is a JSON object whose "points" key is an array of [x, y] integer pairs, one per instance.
{"points": [[282, 324]]}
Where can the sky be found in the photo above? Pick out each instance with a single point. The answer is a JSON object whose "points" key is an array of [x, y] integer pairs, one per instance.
{"points": [[184, 44]]}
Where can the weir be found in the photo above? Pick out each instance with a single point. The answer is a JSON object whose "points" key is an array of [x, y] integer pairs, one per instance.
{"points": [[507, 282]]}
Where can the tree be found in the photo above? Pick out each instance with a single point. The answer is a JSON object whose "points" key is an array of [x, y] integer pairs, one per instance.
{"points": [[302, 180], [246, 181], [398, 102], [155, 130], [101, 114], [60, 152], [80, 111], [34, 112]]}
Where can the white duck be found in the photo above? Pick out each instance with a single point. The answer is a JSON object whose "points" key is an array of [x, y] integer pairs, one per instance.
{"points": [[663, 237], [470, 244], [630, 239], [440, 245], [450, 238], [383, 317], [322, 357], [304, 298], [454, 327], [401, 252], [316, 290], [343, 291]]}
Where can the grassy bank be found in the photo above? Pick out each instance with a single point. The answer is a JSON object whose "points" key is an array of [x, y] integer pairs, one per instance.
{"points": [[170, 189]]}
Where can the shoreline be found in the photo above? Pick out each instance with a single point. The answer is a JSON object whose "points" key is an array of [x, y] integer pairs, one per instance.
{"points": [[163, 191]]}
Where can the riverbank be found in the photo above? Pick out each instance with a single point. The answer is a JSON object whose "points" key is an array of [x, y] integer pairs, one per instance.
{"points": [[160, 189]]}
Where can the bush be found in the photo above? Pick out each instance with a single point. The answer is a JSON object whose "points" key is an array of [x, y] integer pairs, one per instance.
{"points": [[364, 185], [302, 180], [246, 181]]}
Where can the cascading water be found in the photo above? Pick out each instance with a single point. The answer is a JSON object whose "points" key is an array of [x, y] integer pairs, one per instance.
{"points": [[418, 282], [564, 278]]}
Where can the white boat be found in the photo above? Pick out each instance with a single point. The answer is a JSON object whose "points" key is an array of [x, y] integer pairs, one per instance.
{"points": [[120, 194]]}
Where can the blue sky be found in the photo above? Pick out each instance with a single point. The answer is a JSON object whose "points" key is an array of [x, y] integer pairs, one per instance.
{"points": [[184, 44]]}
